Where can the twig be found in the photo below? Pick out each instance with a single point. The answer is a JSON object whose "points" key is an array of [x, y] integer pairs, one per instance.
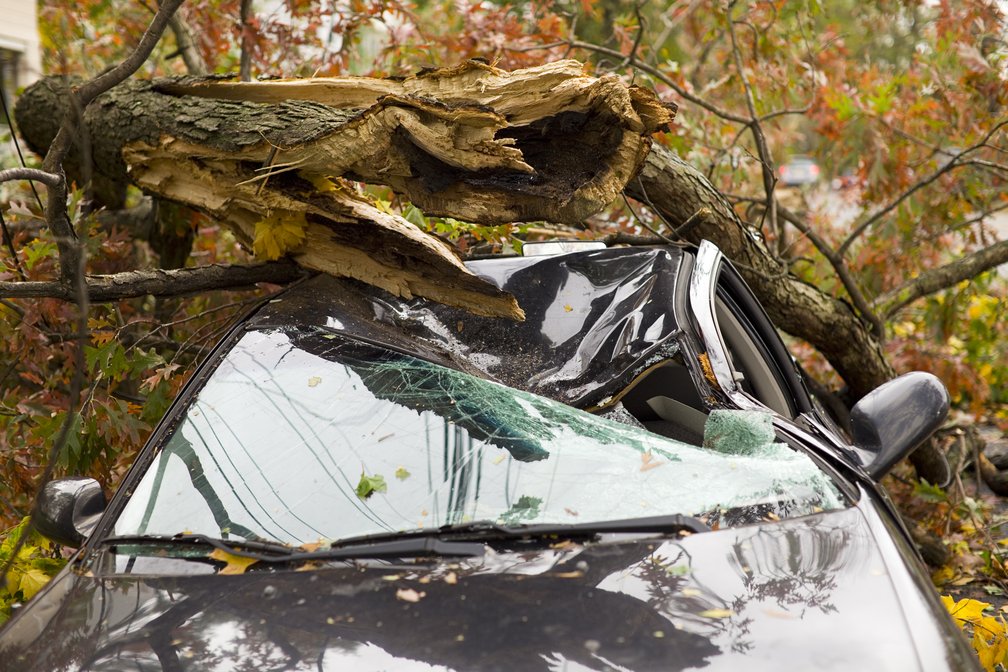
{"points": [[643, 223]]}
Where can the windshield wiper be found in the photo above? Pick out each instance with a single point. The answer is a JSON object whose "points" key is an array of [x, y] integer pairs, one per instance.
{"points": [[492, 531], [275, 551]]}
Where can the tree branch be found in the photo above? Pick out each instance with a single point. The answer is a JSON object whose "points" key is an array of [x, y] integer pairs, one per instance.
{"points": [[942, 277], [187, 49], [177, 282], [47, 178]]}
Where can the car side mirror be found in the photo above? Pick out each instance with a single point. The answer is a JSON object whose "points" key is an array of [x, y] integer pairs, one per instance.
{"points": [[68, 509], [896, 417]]}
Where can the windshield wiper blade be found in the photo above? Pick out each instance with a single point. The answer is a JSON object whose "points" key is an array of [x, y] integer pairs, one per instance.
{"points": [[490, 531], [275, 551]]}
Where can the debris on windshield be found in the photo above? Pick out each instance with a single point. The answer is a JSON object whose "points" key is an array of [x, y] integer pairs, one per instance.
{"points": [[740, 433], [526, 508], [402, 473], [369, 485], [409, 595], [233, 564]]}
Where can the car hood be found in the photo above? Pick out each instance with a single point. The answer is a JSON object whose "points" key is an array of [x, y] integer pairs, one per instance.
{"points": [[812, 593]]}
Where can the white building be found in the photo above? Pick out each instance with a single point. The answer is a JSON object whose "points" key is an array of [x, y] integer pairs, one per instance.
{"points": [[20, 55]]}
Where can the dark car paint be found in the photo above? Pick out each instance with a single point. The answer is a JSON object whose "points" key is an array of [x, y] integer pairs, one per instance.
{"points": [[898, 624], [831, 591]]}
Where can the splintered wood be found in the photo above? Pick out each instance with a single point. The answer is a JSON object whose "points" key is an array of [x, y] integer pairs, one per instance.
{"points": [[274, 159]]}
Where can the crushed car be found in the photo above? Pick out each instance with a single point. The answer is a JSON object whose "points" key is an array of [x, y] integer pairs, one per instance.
{"points": [[633, 478]]}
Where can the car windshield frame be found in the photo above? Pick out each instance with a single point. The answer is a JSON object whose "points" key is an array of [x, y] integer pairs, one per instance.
{"points": [[150, 458]]}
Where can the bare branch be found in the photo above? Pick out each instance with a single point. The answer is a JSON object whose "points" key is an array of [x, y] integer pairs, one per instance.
{"points": [[245, 61], [942, 277], [187, 49], [957, 161], [177, 282], [50, 179]]}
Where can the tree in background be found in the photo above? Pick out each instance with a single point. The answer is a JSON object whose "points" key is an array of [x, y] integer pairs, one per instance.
{"points": [[901, 103]]}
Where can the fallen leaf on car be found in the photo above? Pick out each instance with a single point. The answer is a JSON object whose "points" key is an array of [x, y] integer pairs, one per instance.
{"points": [[368, 485], [716, 613], [409, 595], [648, 461], [313, 381], [233, 564], [402, 474]]}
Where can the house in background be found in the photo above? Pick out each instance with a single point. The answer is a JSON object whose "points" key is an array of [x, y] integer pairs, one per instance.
{"points": [[20, 55]]}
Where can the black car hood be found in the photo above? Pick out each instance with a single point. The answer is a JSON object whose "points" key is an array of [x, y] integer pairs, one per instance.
{"points": [[820, 592], [593, 320]]}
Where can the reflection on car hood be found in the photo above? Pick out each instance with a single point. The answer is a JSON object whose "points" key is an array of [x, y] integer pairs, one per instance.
{"points": [[593, 320], [811, 593]]}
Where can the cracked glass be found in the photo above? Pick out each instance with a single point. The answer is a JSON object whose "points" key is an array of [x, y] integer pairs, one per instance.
{"points": [[304, 435]]}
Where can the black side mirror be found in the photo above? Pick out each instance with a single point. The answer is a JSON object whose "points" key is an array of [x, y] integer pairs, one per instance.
{"points": [[68, 509], [892, 420]]}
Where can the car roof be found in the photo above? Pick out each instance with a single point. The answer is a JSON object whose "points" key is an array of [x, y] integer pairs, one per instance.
{"points": [[594, 320]]}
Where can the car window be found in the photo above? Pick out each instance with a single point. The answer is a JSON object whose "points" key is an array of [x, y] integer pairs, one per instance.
{"points": [[751, 366], [304, 435]]}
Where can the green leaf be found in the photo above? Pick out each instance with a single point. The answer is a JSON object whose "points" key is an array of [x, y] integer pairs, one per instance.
{"points": [[369, 485], [31, 582], [402, 474], [526, 508], [930, 493]]}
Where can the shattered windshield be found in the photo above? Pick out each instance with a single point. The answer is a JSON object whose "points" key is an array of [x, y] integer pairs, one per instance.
{"points": [[302, 436]]}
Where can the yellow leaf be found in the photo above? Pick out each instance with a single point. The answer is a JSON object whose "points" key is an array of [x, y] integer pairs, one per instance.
{"points": [[320, 182], [966, 609], [716, 613], [234, 564], [32, 581], [409, 595], [279, 234]]}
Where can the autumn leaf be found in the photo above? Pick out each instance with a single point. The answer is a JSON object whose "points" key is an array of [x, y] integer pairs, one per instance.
{"points": [[716, 613], [234, 564], [409, 595], [965, 610], [279, 234], [31, 582], [369, 485], [402, 474]]}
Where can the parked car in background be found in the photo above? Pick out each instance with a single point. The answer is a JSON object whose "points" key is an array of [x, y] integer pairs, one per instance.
{"points": [[799, 171], [633, 478]]}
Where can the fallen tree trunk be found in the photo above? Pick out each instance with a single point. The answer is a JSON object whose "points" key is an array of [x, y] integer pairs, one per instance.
{"points": [[471, 142]]}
